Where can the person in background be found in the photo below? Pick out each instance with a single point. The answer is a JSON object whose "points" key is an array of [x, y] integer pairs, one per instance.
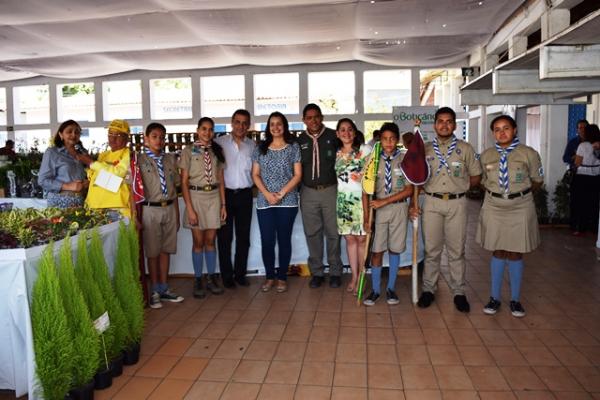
{"points": [[276, 171], [160, 216], [61, 173], [569, 158], [508, 221], [237, 149], [318, 196], [204, 194], [586, 184], [349, 166], [115, 161], [375, 138], [8, 150]]}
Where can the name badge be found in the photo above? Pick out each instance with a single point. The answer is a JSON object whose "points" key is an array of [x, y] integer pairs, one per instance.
{"points": [[456, 168], [397, 172], [519, 177]]}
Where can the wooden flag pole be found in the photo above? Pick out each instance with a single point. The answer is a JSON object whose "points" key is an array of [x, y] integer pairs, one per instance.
{"points": [[415, 244]]}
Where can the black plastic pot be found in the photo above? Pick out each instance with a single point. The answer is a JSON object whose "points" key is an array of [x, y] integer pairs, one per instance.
{"points": [[103, 379], [85, 392], [116, 365], [132, 355]]}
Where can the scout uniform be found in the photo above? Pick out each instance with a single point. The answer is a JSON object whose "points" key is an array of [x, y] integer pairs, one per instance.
{"points": [[445, 210], [391, 220], [203, 186], [159, 219], [508, 220]]}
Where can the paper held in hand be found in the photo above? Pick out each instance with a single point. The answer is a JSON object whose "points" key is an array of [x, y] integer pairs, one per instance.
{"points": [[102, 323], [108, 181]]}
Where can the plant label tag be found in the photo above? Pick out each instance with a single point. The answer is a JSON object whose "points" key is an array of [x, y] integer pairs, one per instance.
{"points": [[102, 323]]}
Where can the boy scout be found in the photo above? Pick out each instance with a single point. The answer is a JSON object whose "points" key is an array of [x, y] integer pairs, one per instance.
{"points": [[454, 167]]}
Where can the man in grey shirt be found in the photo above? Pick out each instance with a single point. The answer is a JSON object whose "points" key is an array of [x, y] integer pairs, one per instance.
{"points": [[318, 196]]}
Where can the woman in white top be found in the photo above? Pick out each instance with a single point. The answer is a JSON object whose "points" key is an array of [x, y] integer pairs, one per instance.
{"points": [[586, 183]]}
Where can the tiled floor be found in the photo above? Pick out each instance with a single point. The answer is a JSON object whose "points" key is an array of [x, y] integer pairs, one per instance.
{"points": [[317, 344]]}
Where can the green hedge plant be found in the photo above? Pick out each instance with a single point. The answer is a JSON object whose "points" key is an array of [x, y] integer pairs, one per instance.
{"points": [[54, 354]]}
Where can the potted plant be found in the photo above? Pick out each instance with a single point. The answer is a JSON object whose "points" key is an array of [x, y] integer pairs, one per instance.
{"points": [[118, 322], [540, 198], [51, 335], [561, 198], [86, 343], [129, 290]]}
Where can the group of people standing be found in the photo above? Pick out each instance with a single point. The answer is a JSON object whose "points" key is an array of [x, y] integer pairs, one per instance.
{"points": [[320, 172]]}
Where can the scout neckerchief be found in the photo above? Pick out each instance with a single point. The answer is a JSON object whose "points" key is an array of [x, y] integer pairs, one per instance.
{"points": [[315, 153], [444, 160], [388, 170], [503, 167], [207, 161], [158, 159]]}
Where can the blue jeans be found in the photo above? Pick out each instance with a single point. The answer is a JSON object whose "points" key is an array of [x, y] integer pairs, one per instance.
{"points": [[276, 224]]}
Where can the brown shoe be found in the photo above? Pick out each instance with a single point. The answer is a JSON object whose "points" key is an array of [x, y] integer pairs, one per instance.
{"points": [[267, 285], [281, 286]]}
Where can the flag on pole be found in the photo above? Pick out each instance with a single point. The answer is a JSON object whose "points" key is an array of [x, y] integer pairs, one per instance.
{"points": [[370, 175], [137, 186], [413, 165]]}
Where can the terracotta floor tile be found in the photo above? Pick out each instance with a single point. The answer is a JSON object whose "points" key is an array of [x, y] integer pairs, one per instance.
{"points": [[324, 334], [137, 388], [251, 371], [356, 319], [276, 392], [327, 318], [284, 372], [412, 355], [537, 395], [175, 346], [557, 378], [191, 329], [216, 331], [232, 349], [588, 377], [166, 327], [290, 351], [104, 394], [460, 395], [444, 355], [152, 343], [297, 333], [496, 395], [305, 392], [346, 393], [317, 373], [437, 336], [351, 334], [218, 370], [384, 376], [172, 389], [418, 377], [252, 316], [466, 337], [203, 348], [316, 351], [579, 337], [260, 350], [453, 377], [572, 396], [507, 356], [240, 391], [487, 378], [522, 378], [475, 356], [523, 338], [157, 366], [132, 369], [302, 318], [379, 320], [353, 375], [243, 331], [409, 336], [206, 390], [382, 354], [188, 368], [494, 337], [570, 356], [227, 317], [351, 353], [269, 332], [385, 394], [551, 338], [380, 336], [538, 356], [423, 394], [406, 320]]}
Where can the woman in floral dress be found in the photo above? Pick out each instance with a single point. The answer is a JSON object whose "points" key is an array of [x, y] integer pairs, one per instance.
{"points": [[349, 165]]}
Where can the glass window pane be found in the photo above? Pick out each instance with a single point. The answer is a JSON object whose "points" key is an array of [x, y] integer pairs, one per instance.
{"points": [[276, 92], [31, 104], [122, 99], [181, 128], [171, 98], [2, 107], [3, 138], [76, 101], [440, 87], [34, 138], [332, 91], [371, 126], [222, 95], [385, 89]]}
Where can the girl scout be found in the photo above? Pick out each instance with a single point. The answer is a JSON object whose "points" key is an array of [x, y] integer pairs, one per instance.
{"points": [[508, 222], [204, 194], [392, 191]]}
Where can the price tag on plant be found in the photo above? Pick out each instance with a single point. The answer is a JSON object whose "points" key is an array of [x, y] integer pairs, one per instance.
{"points": [[102, 323]]}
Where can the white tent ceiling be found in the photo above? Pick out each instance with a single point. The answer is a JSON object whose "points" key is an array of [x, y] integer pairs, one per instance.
{"points": [[85, 38]]}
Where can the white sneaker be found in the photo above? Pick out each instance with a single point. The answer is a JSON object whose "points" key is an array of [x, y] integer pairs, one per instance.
{"points": [[155, 300]]}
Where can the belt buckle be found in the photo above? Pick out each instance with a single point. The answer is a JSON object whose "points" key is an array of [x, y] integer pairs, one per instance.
{"points": [[505, 196], [163, 203], [446, 196], [207, 188]]}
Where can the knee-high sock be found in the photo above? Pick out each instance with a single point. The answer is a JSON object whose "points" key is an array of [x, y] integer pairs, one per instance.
{"points": [[515, 269], [211, 261], [197, 260], [376, 278], [497, 271], [394, 260]]}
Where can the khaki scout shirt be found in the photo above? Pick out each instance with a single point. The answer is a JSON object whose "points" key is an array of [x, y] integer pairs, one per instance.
{"points": [[192, 160], [463, 163], [398, 179], [149, 171], [524, 166]]}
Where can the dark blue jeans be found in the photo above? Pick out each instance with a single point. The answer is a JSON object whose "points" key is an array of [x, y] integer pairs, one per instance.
{"points": [[276, 224]]}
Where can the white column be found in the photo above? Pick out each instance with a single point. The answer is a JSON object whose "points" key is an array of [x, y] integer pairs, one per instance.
{"points": [[517, 45], [554, 21], [553, 130]]}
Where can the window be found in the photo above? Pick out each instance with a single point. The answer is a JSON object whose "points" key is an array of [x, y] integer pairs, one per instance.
{"points": [[171, 98], [95, 140], [31, 104], [34, 138], [2, 108], [122, 99], [76, 101], [181, 128], [386, 89], [332, 91], [371, 126], [440, 87], [276, 92], [222, 95]]}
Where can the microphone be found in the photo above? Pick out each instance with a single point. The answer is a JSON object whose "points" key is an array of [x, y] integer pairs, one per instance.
{"points": [[80, 149]]}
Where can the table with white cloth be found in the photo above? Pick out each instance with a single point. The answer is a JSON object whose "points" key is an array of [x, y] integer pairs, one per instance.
{"points": [[18, 273]]}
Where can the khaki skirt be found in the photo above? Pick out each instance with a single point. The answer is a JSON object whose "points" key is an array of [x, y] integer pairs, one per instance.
{"points": [[508, 224], [208, 208]]}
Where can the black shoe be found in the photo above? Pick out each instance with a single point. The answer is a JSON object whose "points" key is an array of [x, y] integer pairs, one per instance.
{"points": [[426, 299], [492, 306], [391, 297], [212, 284], [370, 301], [335, 281], [229, 283], [242, 281], [315, 282], [516, 309], [461, 303]]}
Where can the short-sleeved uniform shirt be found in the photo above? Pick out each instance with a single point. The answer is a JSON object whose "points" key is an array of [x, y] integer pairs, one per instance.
{"points": [[524, 166], [463, 163], [192, 160], [149, 171]]}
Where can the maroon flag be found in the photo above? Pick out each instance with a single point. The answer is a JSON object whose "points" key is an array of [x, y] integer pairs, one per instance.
{"points": [[414, 167]]}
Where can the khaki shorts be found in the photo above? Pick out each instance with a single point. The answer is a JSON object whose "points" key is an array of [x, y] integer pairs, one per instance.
{"points": [[390, 228], [160, 230]]}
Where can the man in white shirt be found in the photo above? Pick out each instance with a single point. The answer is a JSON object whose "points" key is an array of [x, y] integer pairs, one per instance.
{"points": [[237, 148]]}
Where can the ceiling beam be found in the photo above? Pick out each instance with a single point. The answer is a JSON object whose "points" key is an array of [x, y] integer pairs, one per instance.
{"points": [[517, 81], [484, 97], [570, 61]]}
